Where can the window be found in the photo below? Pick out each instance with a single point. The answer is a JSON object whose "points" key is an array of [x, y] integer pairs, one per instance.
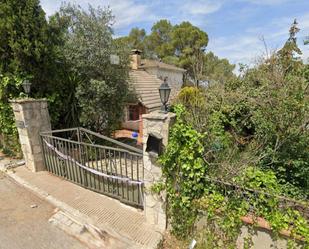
{"points": [[133, 112]]}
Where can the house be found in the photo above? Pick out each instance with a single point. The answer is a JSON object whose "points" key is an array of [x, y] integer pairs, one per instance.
{"points": [[146, 76]]}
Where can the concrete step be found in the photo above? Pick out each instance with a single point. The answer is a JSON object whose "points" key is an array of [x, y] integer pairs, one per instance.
{"points": [[119, 222]]}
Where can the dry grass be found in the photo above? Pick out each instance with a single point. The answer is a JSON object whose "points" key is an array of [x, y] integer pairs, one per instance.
{"points": [[170, 242]]}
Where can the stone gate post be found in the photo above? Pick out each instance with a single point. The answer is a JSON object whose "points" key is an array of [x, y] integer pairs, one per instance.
{"points": [[156, 127], [32, 117]]}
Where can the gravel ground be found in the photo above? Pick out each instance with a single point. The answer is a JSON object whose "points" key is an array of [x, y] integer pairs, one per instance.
{"points": [[24, 221]]}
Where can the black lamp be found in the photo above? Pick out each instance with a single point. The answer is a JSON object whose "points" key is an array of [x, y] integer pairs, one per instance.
{"points": [[27, 86], [164, 91]]}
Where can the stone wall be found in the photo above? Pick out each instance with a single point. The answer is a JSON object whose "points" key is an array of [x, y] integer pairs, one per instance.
{"points": [[155, 123], [31, 117]]}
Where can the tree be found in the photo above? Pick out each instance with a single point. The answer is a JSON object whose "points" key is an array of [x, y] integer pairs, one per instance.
{"points": [[190, 43], [182, 45], [288, 54], [216, 70], [103, 87], [135, 40], [258, 119], [23, 40], [159, 42], [27, 50], [30, 47]]}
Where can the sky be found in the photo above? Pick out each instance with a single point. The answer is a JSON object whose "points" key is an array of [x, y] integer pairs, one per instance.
{"points": [[239, 30]]}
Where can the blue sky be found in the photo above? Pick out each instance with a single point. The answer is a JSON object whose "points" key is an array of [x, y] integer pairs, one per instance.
{"points": [[236, 28]]}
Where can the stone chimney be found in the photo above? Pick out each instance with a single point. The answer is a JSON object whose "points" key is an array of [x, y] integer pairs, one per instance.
{"points": [[135, 58]]}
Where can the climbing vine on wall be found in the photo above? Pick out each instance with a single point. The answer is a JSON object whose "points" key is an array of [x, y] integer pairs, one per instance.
{"points": [[253, 194], [184, 170], [9, 89]]}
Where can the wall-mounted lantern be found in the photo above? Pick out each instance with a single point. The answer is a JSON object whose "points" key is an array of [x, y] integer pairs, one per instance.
{"points": [[164, 91]]}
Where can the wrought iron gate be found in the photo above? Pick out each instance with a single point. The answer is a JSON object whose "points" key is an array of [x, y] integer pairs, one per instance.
{"points": [[96, 162]]}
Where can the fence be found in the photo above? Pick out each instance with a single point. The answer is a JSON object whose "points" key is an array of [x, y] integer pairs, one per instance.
{"points": [[95, 162]]}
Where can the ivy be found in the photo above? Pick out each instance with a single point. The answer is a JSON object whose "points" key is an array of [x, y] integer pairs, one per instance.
{"points": [[9, 89], [184, 169], [254, 193]]}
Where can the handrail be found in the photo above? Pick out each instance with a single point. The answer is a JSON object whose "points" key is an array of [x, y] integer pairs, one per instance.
{"points": [[78, 129], [92, 145], [112, 140], [58, 131]]}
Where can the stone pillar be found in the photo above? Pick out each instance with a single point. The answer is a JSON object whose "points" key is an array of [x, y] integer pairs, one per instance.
{"points": [[31, 117], [155, 123]]}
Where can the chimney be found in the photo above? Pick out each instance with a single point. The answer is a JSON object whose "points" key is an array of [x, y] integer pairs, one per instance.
{"points": [[135, 58]]}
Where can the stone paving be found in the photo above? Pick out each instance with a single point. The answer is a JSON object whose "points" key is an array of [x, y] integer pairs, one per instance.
{"points": [[24, 220], [121, 222]]}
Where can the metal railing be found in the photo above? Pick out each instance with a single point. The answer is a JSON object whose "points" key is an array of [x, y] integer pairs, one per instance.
{"points": [[96, 162]]}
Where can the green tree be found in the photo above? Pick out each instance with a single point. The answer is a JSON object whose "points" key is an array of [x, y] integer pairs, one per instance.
{"points": [[27, 50], [258, 119], [217, 70], [159, 42], [182, 45], [103, 87], [190, 43], [30, 47], [23, 40], [135, 40], [289, 55]]}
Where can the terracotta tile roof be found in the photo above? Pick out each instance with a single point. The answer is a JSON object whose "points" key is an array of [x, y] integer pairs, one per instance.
{"points": [[147, 88], [153, 63]]}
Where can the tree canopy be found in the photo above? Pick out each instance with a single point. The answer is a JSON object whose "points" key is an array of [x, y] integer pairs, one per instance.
{"points": [[159, 41], [27, 50], [102, 87], [183, 45], [258, 119], [62, 57]]}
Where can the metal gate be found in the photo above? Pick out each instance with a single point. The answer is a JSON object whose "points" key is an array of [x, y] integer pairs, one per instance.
{"points": [[96, 162]]}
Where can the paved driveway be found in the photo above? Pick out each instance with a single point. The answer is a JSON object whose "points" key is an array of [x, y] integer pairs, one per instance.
{"points": [[23, 227]]}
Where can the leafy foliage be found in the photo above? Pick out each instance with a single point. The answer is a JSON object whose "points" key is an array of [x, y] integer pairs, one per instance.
{"points": [[61, 57], [216, 70], [26, 51], [189, 191], [159, 41], [23, 39], [102, 88], [258, 119], [184, 169], [250, 141], [9, 88]]}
